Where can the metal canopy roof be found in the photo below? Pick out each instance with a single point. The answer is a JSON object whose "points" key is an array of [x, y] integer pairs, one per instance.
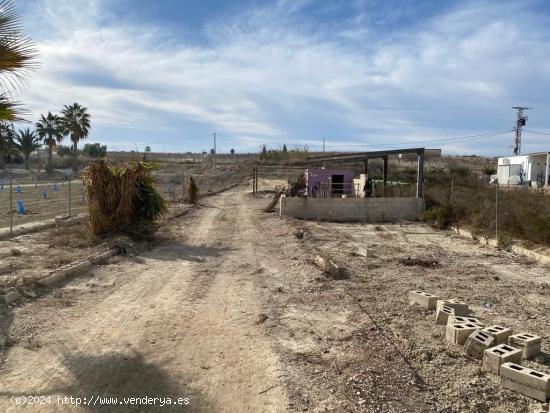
{"points": [[363, 156]]}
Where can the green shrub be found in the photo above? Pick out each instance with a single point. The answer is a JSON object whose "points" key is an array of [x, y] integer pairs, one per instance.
{"points": [[442, 217], [504, 242]]}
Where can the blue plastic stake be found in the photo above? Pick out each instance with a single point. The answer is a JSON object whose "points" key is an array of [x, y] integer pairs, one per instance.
{"points": [[21, 206]]}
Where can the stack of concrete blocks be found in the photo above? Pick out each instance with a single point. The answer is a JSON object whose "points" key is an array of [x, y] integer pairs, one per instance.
{"points": [[529, 344], [531, 383], [477, 343], [423, 299], [495, 357], [459, 333], [501, 351], [447, 308]]}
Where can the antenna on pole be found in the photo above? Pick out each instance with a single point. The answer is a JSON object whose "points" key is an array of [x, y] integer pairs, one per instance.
{"points": [[521, 120]]}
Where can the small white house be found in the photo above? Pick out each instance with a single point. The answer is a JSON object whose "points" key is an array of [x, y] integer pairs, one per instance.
{"points": [[531, 169]]}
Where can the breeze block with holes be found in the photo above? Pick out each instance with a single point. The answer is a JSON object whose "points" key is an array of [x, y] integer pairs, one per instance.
{"points": [[528, 343], [459, 333], [423, 299], [442, 315], [496, 356], [526, 381], [461, 308], [500, 333], [457, 319], [477, 343]]}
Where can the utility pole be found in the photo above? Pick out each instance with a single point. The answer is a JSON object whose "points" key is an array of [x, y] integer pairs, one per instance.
{"points": [[520, 122], [323, 145], [496, 212], [215, 150]]}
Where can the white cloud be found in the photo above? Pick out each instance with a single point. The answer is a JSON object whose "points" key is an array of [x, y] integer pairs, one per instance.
{"points": [[265, 74]]}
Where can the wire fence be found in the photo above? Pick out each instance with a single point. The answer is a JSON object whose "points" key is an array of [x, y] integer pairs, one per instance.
{"points": [[492, 211], [175, 190], [24, 203]]}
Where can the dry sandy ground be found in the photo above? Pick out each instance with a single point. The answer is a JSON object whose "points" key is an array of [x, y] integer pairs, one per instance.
{"points": [[227, 310]]}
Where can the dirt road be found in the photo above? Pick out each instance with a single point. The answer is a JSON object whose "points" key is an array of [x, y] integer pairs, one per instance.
{"points": [[179, 321], [228, 310]]}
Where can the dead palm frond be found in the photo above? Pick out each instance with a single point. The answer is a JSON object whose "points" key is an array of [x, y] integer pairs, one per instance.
{"points": [[122, 198], [192, 191]]}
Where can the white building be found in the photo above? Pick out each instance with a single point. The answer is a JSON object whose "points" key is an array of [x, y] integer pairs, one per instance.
{"points": [[531, 169]]}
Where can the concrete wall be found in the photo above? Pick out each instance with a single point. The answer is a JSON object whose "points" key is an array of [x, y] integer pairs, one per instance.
{"points": [[352, 209]]}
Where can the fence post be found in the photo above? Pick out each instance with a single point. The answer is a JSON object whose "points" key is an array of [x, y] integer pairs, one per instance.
{"points": [[496, 213], [452, 192], [11, 204], [70, 178], [183, 189]]}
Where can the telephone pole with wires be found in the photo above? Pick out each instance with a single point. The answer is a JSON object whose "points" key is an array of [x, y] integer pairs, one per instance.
{"points": [[521, 120]]}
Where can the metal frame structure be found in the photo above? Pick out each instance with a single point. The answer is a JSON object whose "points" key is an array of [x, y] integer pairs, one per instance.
{"points": [[384, 155], [520, 122]]}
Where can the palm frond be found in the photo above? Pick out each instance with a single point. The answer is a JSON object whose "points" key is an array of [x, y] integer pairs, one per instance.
{"points": [[17, 58], [121, 198]]}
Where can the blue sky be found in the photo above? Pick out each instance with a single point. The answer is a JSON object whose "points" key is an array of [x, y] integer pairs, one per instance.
{"points": [[358, 73]]}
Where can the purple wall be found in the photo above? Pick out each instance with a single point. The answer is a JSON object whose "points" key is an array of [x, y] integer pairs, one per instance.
{"points": [[314, 176]]}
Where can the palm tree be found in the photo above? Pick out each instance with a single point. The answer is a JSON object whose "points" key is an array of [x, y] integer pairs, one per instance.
{"points": [[7, 135], [75, 121], [17, 53], [49, 130], [27, 142]]}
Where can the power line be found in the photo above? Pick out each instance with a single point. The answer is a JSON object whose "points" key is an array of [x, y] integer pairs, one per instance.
{"points": [[340, 145], [537, 133], [439, 140]]}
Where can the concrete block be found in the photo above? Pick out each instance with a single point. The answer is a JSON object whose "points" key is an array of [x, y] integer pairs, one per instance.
{"points": [[528, 343], [496, 356], [458, 333], [10, 296], [361, 251], [500, 333], [461, 309], [53, 277], [529, 382], [456, 319], [477, 343], [102, 256], [442, 315], [423, 299], [78, 268]]}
